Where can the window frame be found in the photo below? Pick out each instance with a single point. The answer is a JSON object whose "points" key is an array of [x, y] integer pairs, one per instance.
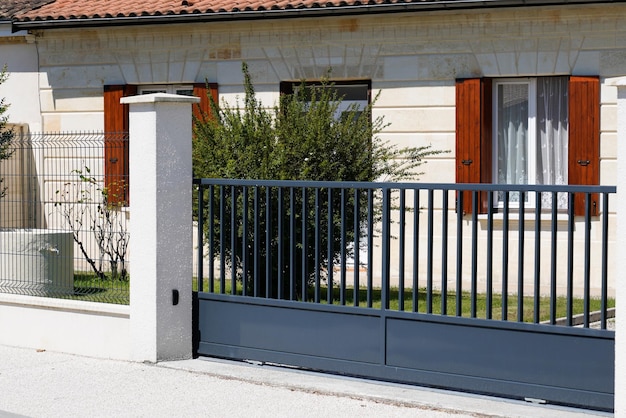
{"points": [[474, 130]]}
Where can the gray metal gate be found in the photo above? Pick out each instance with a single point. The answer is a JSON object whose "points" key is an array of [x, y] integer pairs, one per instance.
{"points": [[418, 321]]}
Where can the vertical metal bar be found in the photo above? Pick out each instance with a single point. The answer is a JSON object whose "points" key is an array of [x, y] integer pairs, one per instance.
{"points": [[520, 258], [553, 259], [537, 285], [386, 235], [429, 260], [318, 245], [459, 252], [370, 245], [268, 242], [402, 244], [357, 244], [233, 240], [211, 239], [489, 301], [281, 244], [292, 243], [605, 251], [384, 297], [342, 250], [474, 286], [505, 258], [305, 242], [244, 243], [416, 233], [587, 265], [222, 244], [570, 260], [200, 253], [444, 254], [329, 255], [257, 241]]}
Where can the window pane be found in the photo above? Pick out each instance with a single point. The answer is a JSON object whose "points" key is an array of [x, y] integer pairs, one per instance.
{"points": [[552, 135], [512, 135]]}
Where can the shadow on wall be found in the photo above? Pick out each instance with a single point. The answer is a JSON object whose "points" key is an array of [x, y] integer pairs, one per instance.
{"points": [[21, 207]]}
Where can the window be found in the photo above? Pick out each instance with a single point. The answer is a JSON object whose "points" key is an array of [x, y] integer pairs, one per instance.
{"points": [[352, 93], [116, 177], [542, 130], [183, 90]]}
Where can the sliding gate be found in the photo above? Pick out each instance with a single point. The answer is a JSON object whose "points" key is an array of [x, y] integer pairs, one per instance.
{"points": [[351, 278]]}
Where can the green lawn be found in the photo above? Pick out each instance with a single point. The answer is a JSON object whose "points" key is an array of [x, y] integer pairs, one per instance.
{"points": [[451, 301], [89, 287]]}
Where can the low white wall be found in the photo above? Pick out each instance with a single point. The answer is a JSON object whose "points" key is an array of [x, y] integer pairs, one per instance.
{"points": [[69, 326]]}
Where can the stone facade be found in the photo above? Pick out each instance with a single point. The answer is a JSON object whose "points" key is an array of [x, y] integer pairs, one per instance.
{"points": [[412, 59]]}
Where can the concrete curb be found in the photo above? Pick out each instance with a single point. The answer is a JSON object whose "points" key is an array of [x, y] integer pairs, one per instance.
{"points": [[442, 401]]}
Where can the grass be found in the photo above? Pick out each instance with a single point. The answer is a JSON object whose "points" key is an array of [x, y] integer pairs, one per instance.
{"points": [[87, 286], [528, 302]]}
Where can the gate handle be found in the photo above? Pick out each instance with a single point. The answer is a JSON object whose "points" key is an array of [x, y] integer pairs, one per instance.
{"points": [[466, 162], [583, 162]]}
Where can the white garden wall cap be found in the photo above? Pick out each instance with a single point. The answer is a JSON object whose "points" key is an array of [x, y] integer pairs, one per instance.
{"points": [[67, 305], [159, 98]]}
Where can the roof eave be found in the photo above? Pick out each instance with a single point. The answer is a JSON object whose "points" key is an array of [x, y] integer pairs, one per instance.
{"points": [[424, 6]]}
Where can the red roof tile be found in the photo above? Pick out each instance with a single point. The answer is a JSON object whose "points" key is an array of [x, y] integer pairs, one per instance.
{"points": [[101, 12], [92, 9], [8, 8]]}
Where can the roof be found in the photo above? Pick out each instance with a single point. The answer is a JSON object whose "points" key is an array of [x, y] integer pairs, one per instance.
{"points": [[9, 8], [67, 13]]}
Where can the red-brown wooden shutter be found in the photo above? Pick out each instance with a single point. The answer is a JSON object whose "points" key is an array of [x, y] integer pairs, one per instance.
{"points": [[473, 137], [204, 107], [584, 138], [116, 168]]}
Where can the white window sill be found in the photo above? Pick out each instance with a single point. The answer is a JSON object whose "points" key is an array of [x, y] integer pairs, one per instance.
{"points": [[529, 218]]}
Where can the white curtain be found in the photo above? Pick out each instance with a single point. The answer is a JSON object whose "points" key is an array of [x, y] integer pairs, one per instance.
{"points": [[515, 143], [552, 138], [512, 135]]}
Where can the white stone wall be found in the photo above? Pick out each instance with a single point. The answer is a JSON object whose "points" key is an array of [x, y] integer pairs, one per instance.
{"points": [[412, 59], [19, 53]]}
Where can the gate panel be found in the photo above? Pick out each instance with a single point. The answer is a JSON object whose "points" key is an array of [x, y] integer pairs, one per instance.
{"points": [[568, 366], [288, 327], [360, 279]]}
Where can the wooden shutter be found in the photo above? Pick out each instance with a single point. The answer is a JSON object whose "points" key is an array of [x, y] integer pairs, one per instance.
{"points": [[473, 137], [204, 107], [584, 138], [116, 168]]}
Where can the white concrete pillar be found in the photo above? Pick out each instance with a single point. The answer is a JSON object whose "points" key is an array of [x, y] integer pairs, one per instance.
{"points": [[620, 281], [160, 226]]}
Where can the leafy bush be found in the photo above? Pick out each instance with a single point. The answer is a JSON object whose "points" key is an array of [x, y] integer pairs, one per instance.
{"points": [[299, 139]]}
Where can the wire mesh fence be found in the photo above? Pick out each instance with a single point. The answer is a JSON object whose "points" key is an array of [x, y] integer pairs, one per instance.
{"points": [[64, 218]]}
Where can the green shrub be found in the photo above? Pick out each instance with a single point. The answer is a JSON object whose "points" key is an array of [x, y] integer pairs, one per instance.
{"points": [[299, 139]]}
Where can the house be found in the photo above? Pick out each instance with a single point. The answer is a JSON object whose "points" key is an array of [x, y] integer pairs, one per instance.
{"points": [[518, 92], [471, 77]]}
